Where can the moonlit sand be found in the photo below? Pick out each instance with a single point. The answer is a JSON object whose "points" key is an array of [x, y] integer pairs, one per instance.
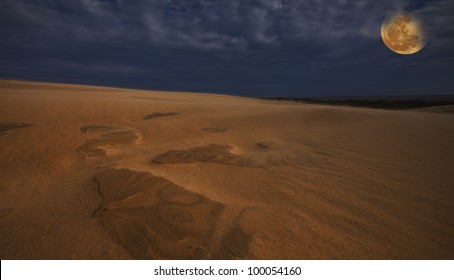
{"points": [[104, 173]]}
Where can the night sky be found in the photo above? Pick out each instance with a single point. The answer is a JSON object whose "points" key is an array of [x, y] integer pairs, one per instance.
{"points": [[267, 48]]}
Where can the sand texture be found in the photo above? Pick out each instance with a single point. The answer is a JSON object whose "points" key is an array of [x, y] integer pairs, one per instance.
{"points": [[107, 173]]}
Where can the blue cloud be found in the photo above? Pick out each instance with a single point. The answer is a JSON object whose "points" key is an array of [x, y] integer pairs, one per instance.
{"points": [[259, 47]]}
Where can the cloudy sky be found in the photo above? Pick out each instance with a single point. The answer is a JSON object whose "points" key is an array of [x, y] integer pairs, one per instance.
{"points": [[263, 48]]}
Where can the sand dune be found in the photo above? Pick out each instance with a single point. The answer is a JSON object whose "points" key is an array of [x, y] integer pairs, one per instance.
{"points": [[103, 173], [448, 109]]}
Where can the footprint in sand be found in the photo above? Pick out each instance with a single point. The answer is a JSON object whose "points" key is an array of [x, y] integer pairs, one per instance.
{"points": [[153, 218], [266, 145], [263, 156], [211, 153], [215, 130], [104, 136], [95, 128], [4, 127], [157, 115]]}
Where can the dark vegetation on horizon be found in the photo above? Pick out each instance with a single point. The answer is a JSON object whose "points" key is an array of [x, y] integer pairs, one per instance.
{"points": [[379, 104]]}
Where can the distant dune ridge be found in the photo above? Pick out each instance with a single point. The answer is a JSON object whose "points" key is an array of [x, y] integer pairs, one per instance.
{"points": [[102, 173]]}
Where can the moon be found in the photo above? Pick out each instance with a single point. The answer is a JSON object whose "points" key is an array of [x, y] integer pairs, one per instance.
{"points": [[402, 33]]}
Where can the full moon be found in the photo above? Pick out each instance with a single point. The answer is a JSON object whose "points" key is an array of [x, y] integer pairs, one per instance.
{"points": [[403, 34]]}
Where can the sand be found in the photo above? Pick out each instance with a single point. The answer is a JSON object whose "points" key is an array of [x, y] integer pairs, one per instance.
{"points": [[103, 173]]}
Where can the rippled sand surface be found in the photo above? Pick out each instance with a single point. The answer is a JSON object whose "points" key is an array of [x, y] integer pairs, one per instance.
{"points": [[107, 173]]}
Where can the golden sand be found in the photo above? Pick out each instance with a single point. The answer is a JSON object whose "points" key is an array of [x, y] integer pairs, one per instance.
{"points": [[103, 173]]}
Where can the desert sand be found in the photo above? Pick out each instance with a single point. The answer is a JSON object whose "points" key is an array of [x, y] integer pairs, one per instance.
{"points": [[106, 173]]}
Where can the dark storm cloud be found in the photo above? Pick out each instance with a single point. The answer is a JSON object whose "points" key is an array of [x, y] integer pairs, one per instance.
{"points": [[256, 47]]}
